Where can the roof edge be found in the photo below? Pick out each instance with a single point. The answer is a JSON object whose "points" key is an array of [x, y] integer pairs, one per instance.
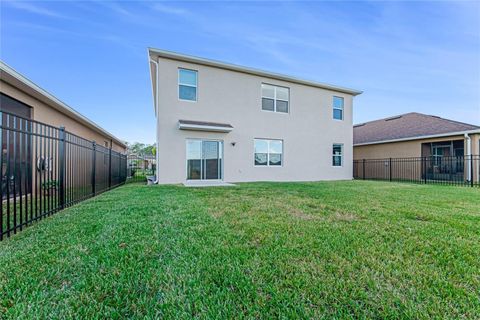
{"points": [[60, 105], [413, 112], [419, 137], [228, 66]]}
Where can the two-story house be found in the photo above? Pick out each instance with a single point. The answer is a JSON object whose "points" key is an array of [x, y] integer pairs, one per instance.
{"points": [[223, 122]]}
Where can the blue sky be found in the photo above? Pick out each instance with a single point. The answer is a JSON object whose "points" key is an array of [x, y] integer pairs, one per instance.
{"points": [[405, 56]]}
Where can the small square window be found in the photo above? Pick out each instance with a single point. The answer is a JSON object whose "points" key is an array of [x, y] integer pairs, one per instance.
{"points": [[282, 93], [187, 93], [275, 159], [337, 114], [261, 159], [268, 91], [282, 106], [268, 104]]}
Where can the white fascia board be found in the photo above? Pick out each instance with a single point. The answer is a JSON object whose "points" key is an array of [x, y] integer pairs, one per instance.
{"points": [[440, 135]]}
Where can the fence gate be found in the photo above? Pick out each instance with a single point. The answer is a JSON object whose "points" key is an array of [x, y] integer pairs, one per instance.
{"points": [[139, 167]]}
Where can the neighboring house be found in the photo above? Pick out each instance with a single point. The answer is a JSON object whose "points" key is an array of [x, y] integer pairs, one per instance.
{"points": [[445, 144], [223, 122], [21, 104], [21, 97], [414, 135]]}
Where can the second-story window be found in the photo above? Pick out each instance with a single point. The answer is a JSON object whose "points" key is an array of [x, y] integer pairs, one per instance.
{"points": [[337, 108], [275, 98], [187, 84]]}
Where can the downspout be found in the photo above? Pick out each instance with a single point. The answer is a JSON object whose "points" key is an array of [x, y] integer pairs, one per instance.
{"points": [[155, 104], [469, 155]]}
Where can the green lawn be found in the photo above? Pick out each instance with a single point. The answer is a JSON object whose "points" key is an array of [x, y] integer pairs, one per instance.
{"points": [[354, 249]]}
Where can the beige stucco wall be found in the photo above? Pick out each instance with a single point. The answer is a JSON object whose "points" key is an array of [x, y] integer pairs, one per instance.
{"points": [[224, 96], [475, 144], [47, 114], [404, 149]]}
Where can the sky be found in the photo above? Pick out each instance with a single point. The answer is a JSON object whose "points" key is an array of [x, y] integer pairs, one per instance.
{"points": [[405, 56]]}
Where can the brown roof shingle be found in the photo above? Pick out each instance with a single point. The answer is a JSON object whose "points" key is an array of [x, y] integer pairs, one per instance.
{"points": [[409, 125]]}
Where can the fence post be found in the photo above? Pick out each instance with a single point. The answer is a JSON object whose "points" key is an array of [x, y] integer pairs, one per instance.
{"points": [[363, 169], [94, 162], [110, 167], [62, 165], [390, 167], [471, 170], [424, 169]]}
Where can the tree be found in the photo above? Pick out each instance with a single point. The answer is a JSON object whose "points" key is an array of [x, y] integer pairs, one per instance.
{"points": [[141, 149]]}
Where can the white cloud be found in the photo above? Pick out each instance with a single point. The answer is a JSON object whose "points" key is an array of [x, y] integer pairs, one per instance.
{"points": [[170, 10], [33, 8]]}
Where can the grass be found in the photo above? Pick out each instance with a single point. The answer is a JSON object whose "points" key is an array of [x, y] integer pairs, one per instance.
{"points": [[354, 249], [37, 205]]}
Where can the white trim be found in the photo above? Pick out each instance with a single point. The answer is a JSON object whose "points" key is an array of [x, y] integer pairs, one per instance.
{"points": [[268, 153], [468, 154], [197, 127], [52, 101], [154, 90], [156, 100], [440, 135], [222, 65]]}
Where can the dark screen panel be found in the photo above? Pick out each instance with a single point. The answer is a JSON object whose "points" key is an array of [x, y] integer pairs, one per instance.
{"points": [[8, 104]]}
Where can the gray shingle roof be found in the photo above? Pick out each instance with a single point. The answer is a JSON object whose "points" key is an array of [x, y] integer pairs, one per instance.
{"points": [[409, 125]]}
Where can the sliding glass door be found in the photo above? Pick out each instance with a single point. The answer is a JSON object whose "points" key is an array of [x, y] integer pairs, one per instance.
{"points": [[204, 159]]}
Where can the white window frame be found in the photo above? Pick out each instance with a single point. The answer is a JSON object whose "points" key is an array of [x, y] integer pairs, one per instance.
{"points": [[341, 154], [335, 108], [268, 153], [187, 85], [275, 98]]}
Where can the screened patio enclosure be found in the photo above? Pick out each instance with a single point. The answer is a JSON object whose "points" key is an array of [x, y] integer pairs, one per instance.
{"points": [[446, 160]]}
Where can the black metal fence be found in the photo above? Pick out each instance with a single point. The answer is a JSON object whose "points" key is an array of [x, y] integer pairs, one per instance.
{"points": [[45, 169], [448, 170], [139, 167]]}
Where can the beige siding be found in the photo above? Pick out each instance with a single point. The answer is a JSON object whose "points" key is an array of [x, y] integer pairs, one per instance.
{"points": [[47, 114], [388, 150], [402, 149], [308, 131]]}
